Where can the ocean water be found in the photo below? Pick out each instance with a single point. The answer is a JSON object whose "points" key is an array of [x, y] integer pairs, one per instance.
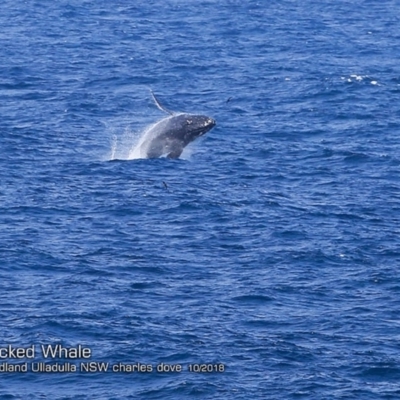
{"points": [[268, 253]]}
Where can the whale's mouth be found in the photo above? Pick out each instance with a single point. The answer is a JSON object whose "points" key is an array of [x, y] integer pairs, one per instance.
{"points": [[208, 125], [211, 122]]}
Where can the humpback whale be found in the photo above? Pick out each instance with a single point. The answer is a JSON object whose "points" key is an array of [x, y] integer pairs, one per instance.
{"points": [[172, 134]]}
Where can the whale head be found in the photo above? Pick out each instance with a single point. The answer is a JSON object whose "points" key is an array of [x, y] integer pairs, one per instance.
{"points": [[191, 126], [172, 134]]}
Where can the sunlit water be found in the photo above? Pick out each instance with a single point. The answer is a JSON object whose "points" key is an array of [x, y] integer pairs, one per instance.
{"points": [[270, 247]]}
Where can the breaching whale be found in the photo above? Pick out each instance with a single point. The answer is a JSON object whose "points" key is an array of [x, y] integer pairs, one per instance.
{"points": [[172, 134]]}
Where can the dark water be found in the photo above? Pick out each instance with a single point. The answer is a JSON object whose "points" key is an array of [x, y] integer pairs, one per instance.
{"points": [[271, 247]]}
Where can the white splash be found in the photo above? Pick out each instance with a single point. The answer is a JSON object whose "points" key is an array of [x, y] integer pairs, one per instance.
{"points": [[137, 150], [121, 145], [360, 78], [114, 143]]}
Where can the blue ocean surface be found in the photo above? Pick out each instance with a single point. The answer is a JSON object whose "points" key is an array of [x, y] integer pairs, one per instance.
{"points": [[263, 263]]}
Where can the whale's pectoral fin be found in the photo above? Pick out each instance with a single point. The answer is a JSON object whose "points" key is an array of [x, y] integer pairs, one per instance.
{"points": [[175, 153], [159, 105]]}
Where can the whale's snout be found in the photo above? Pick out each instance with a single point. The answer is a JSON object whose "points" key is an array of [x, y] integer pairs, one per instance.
{"points": [[211, 122]]}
